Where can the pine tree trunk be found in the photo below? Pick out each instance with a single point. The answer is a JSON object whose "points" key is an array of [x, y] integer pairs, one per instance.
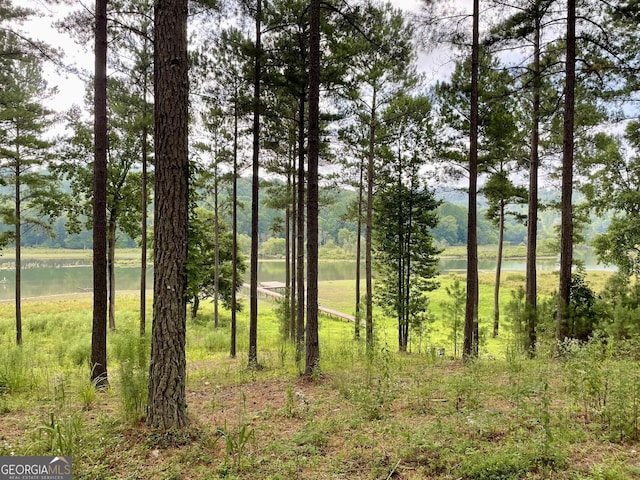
{"points": [[167, 407], [407, 261], [111, 272], [195, 306], [99, 324], [532, 216], [18, 235], [313, 347], [402, 320], [289, 241], [300, 330], [143, 240], [294, 252], [369, 237], [145, 202], [356, 332], [253, 313], [216, 261], [470, 348], [234, 239], [566, 229], [496, 290]]}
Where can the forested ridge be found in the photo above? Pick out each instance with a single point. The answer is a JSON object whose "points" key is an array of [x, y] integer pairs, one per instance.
{"points": [[213, 134], [450, 231]]}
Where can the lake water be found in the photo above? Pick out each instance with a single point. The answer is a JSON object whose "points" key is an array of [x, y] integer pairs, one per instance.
{"points": [[57, 277]]}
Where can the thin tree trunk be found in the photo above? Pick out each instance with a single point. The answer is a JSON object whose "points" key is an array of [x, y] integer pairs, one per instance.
{"points": [[566, 236], [216, 261], [253, 314], [294, 252], [143, 240], [18, 234], [300, 330], [167, 407], [532, 216], [195, 306], [368, 240], [402, 337], [470, 349], [313, 346], [234, 239], [496, 289], [356, 331], [111, 271], [99, 324], [407, 255], [145, 202], [291, 327]]}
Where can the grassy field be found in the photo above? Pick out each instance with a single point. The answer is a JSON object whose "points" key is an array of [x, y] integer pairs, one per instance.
{"points": [[377, 415], [133, 254], [124, 256]]}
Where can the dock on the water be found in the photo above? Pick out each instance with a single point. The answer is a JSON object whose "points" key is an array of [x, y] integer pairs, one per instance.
{"points": [[272, 290]]}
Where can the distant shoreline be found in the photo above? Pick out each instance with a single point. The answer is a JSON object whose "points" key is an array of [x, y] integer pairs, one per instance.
{"points": [[131, 256]]}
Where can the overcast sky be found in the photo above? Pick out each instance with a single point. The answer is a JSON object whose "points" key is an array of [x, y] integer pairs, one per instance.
{"points": [[435, 64]]}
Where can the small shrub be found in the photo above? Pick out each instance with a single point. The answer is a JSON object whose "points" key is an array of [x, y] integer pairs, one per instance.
{"points": [[289, 409], [282, 311], [133, 352]]}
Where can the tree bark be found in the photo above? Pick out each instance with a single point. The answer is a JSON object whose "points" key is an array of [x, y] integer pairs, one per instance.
{"points": [[143, 237], [253, 313], [294, 253], [531, 292], [234, 244], [216, 261], [111, 273], [470, 349], [566, 234], [496, 290], [99, 324], [313, 347], [369, 237], [289, 221], [167, 407], [407, 255], [18, 235], [145, 202], [356, 331], [402, 319], [300, 231]]}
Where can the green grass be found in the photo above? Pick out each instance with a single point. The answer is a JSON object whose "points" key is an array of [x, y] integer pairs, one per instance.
{"points": [[123, 255], [487, 251], [369, 415]]}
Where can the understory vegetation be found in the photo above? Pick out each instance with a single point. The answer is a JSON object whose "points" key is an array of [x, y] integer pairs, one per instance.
{"points": [[368, 415]]}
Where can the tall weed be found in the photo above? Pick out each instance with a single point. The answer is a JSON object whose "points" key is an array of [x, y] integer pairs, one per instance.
{"points": [[57, 436], [18, 369], [132, 351]]}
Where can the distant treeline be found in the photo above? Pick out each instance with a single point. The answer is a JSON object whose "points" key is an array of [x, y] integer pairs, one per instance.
{"points": [[336, 228]]}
